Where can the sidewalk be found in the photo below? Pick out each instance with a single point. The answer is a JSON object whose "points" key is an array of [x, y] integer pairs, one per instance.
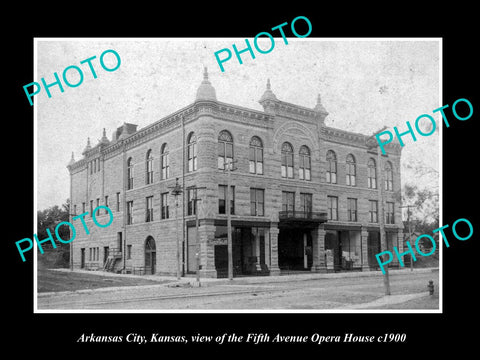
{"points": [[172, 281]]}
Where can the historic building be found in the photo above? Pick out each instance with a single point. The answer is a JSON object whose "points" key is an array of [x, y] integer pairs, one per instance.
{"points": [[303, 196]]}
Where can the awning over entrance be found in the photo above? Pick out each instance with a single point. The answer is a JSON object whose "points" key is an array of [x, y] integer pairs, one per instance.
{"points": [[293, 218]]}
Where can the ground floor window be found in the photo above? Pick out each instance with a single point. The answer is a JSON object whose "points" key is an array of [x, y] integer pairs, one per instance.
{"points": [[343, 249]]}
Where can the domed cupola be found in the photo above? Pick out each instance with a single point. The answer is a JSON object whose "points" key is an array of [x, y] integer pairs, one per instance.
{"points": [[268, 99], [206, 91]]}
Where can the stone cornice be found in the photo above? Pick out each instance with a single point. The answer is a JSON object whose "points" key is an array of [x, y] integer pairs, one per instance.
{"points": [[243, 115], [351, 138]]}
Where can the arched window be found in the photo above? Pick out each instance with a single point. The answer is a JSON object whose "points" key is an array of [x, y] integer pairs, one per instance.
{"points": [[129, 173], [331, 167], [388, 176], [165, 162], [225, 149], [372, 174], [149, 168], [287, 160], [305, 163], [256, 156], [192, 152], [351, 170]]}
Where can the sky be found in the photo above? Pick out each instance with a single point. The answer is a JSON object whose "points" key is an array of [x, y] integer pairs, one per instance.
{"points": [[364, 84]]}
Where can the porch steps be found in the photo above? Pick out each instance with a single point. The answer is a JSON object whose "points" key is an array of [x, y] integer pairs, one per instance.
{"points": [[113, 256]]}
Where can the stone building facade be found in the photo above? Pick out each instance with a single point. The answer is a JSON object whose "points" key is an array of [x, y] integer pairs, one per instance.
{"points": [[303, 196]]}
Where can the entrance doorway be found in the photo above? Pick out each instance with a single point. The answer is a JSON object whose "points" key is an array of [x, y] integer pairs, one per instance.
{"points": [[105, 254], [248, 251], [150, 256], [82, 258], [374, 247], [294, 249]]}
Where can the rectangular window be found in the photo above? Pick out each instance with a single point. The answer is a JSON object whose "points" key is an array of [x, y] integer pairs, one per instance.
{"points": [[352, 209], [332, 204], [390, 213], [98, 202], [191, 203], [74, 209], [129, 212], [149, 209], [118, 201], [165, 214], [257, 200], [288, 201], [119, 241], [306, 204], [129, 252], [83, 207], [373, 211], [91, 207], [106, 203], [222, 195]]}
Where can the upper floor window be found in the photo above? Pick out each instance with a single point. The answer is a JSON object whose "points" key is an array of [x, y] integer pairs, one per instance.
{"points": [[390, 214], [388, 176], [256, 156], [129, 174], [191, 202], [225, 149], [288, 201], [222, 196], [149, 168], [129, 212], [192, 152], [352, 209], [164, 205], [305, 163], [165, 162], [149, 209], [332, 207], [306, 204], [257, 202], [287, 160], [372, 174], [331, 167], [351, 170], [373, 212]]}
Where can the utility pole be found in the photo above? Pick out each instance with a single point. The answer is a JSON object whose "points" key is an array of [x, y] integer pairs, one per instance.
{"points": [[409, 230], [228, 167], [386, 277], [197, 236], [177, 190]]}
